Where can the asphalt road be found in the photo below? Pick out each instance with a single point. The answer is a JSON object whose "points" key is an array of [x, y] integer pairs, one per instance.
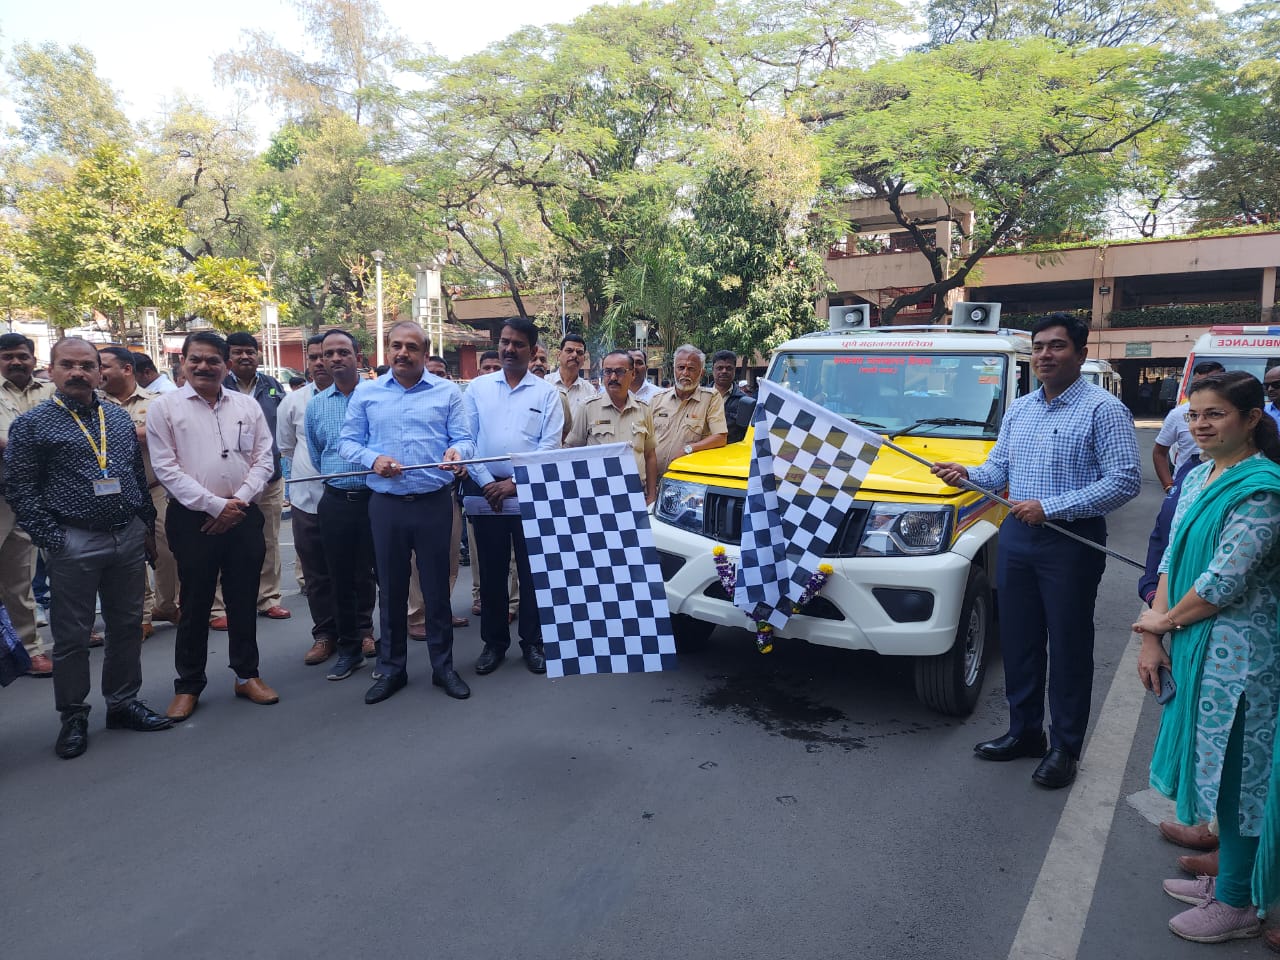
{"points": [[800, 804]]}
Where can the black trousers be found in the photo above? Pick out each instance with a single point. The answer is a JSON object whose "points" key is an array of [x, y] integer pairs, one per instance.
{"points": [[495, 538], [309, 550], [348, 551], [1047, 587], [235, 556], [421, 525]]}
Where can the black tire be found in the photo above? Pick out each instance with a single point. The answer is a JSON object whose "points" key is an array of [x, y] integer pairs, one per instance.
{"points": [[951, 683], [690, 634]]}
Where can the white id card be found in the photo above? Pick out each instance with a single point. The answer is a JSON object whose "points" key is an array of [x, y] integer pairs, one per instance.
{"points": [[106, 486]]}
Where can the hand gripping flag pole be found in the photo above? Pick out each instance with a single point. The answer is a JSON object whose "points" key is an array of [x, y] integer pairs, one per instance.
{"points": [[967, 484], [416, 466]]}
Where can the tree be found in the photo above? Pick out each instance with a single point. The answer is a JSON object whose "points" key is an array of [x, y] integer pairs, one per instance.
{"points": [[101, 243], [226, 291], [63, 106], [1031, 133], [17, 284], [358, 50], [1088, 23]]}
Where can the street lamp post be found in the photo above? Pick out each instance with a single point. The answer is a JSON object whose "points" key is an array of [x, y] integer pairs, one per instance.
{"points": [[377, 269]]}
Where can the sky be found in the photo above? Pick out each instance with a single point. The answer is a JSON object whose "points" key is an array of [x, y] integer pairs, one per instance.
{"points": [[148, 49]]}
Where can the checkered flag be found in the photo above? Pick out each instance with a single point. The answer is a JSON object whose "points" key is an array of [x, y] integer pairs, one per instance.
{"points": [[595, 568], [806, 465]]}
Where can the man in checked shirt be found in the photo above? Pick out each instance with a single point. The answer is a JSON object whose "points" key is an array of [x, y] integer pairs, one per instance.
{"points": [[1067, 453]]}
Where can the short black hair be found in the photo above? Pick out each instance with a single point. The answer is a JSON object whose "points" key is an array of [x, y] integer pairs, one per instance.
{"points": [[1077, 329], [143, 363], [342, 333], [725, 355], [434, 359], [10, 341], [53, 351], [489, 355], [296, 382], [620, 352], [575, 337], [381, 368], [316, 340], [523, 327], [210, 338], [1208, 366], [242, 340], [123, 356]]}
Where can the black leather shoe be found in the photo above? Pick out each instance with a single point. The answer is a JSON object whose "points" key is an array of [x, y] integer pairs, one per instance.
{"points": [[489, 661], [385, 687], [1010, 747], [1057, 770], [136, 715], [534, 660], [73, 738], [452, 684]]}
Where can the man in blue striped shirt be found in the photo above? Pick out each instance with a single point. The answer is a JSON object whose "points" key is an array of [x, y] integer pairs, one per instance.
{"points": [[511, 411], [409, 416], [343, 511], [1067, 453]]}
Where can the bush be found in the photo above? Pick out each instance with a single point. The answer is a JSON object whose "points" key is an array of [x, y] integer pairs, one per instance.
{"points": [[1189, 315]]}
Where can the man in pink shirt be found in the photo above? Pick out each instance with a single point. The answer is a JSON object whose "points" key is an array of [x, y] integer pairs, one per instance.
{"points": [[211, 449]]}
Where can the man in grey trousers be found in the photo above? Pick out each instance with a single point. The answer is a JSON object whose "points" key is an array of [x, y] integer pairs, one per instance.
{"points": [[76, 482]]}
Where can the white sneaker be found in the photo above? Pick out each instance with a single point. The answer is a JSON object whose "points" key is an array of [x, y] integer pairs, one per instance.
{"points": [[42, 615]]}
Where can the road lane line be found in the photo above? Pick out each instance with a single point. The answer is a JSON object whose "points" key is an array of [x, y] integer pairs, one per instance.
{"points": [[1153, 805], [1054, 920]]}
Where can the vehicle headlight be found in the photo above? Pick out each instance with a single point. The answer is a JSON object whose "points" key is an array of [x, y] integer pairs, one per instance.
{"points": [[905, 530], [680, 504]]}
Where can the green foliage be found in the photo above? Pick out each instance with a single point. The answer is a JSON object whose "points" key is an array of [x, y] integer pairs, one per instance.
{"points": [[17, 284], [1190, 315], [62, 104], [226, 291], [100, 242]]}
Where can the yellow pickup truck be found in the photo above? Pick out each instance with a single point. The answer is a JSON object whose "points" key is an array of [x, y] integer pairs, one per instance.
{"points": [[915, 561]]}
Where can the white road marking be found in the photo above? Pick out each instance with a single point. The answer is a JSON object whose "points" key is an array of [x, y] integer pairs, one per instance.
{"points": [[1054, 920], [1153, 805]]}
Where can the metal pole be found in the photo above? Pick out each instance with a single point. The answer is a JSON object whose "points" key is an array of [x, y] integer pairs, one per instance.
{"points": [[416, 466], [564, 320], [969, 485], [377, 269]]}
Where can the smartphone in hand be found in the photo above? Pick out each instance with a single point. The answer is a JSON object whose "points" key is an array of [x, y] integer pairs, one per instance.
{"points": [[1167, 687]]}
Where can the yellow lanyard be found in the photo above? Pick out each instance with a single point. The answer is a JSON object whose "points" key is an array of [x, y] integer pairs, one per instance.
{"points": [[98, 451]]}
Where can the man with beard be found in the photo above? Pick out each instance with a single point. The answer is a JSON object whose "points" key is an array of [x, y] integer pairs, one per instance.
{"points": [[687, 417], [77, 484], [20, 392], [724, 377]]}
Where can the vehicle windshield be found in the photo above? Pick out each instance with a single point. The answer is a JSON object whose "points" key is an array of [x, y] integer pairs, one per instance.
{"points": [[935, 394], [1258, 366]]}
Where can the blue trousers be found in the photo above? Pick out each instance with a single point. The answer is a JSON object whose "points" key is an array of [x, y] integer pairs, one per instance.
{"points": [[1047, 585]]}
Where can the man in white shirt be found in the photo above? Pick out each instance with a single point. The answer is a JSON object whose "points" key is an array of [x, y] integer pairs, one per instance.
{"points": [[148, 377], [643, 388], [1174, 439], [573, 355]]}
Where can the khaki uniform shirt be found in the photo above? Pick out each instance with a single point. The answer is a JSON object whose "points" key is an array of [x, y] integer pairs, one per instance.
{"points": [[578, 392], [136, 406], [679, 422], [598, 421], [14, 402]]}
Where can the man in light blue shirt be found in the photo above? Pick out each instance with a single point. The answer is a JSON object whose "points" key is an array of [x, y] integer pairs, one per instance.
{"points": [[510, 411], [406, 417], [1067, 453]]}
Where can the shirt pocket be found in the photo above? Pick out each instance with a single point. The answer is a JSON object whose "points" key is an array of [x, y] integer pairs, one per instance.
{"points": [[691, 427], [532, 427], [639, 436], [603, 432]]}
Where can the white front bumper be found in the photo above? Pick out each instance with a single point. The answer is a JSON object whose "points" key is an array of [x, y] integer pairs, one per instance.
{"points": [[866, 624]]}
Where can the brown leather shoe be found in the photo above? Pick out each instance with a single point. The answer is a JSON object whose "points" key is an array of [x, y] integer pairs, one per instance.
{"points": [[147, 630], [96, 639], [369, 647], [182, 706], [275, 613], [256, 691], [1193, 838], [1271, 937], [320, 651], [158, 616], [461, 622], [1200, 864], [41, 666], [218, 623], [475, 609]]}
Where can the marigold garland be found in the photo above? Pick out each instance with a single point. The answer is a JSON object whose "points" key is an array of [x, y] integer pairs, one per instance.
{"points": [[728, 575]]}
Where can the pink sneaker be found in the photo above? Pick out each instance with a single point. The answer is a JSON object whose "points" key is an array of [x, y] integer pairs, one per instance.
{"points": [[1214, 922], [1194, 892]]}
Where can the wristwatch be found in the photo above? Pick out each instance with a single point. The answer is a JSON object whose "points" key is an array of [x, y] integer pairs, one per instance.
{"points": [[688, 448]]}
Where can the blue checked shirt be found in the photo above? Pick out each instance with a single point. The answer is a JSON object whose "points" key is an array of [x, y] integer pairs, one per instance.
{"points": [[326, 413], [412, 426], [1077, 454], [505, 421]]}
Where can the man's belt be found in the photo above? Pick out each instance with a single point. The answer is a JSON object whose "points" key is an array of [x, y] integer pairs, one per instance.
{"points": [[363, 493], [410, 497], [95, 527]]}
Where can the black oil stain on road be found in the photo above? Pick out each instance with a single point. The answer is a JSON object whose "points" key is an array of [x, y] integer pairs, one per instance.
{"points": [[780, 712]]}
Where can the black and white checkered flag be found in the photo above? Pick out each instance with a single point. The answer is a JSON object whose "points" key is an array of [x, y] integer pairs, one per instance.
{"points": [[595, 568], [806, 465]]}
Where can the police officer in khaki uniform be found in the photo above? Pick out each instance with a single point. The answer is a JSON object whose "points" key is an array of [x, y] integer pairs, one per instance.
{"points": [[687, 417], [19, 392], [618, 417]]}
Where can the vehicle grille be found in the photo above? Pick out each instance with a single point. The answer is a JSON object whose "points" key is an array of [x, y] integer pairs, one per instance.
{"points": [[722, 521]]}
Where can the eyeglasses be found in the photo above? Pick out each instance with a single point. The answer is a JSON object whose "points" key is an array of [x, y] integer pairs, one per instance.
{"points": [[1273, 385], [616, 371], [1209, 416]]}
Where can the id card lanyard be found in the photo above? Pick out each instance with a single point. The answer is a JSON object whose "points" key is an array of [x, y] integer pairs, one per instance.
{"points": [[105, 485]]}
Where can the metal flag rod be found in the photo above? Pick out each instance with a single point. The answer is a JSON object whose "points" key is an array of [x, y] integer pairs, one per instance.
{"points": [[416, 466], [969, 485]]}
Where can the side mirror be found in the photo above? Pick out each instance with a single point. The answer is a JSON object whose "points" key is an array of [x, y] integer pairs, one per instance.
{"points": [[745, 410]]}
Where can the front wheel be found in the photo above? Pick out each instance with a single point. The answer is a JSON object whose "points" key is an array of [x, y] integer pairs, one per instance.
{"points": [[690, 633], [952, 682]]}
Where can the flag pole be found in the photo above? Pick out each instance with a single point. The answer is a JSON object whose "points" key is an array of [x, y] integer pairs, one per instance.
{"points": [[416, 466], [967, 484]]}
